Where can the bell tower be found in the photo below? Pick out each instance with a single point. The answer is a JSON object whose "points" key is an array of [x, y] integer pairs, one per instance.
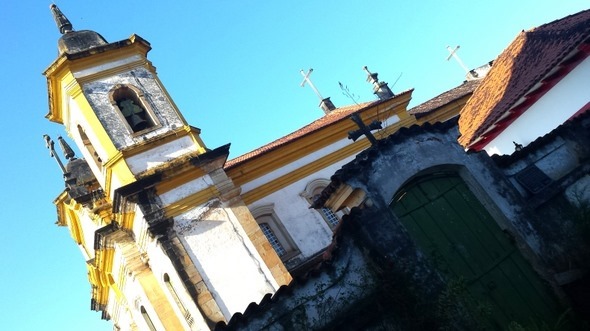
{"points": [[168, 241], [111, 102]]}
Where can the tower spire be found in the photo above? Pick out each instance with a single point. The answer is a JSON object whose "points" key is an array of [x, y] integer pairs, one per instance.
{"points": [[63, 24]]}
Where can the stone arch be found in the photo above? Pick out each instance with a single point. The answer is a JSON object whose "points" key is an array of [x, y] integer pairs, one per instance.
{"points": [[465, 243], [132, 105]]}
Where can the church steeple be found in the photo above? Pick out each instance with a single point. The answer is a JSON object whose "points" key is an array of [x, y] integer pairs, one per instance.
{"points": [[143, 173], [113, 105]]}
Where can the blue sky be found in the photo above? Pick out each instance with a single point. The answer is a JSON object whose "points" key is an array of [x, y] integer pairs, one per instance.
{"points": [[232, 67]]}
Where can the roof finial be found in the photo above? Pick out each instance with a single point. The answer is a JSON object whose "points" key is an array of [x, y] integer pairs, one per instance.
{"points": [[63, 24], [380, 89]]}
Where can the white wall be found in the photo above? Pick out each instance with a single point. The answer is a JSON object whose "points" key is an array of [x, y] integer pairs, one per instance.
{"points": [[161, 154], [231, 267], [551, 110], [306, 226]]}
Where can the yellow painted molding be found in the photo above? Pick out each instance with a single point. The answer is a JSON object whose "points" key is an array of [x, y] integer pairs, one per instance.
{"points": [[315, 141], [183, 205], [115, 70], [125, 220], [125, 49], [72, 210], [98, 274], [110, 163], [302, 172], [176, 181], [321, 163], [160, 140]]}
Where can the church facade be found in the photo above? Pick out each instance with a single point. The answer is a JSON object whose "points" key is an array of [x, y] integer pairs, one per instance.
{"points": [[314, 228], [175, 236]]}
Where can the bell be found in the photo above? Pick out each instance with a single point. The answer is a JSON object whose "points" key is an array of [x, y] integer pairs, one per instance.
{"points": [[137, 123]]}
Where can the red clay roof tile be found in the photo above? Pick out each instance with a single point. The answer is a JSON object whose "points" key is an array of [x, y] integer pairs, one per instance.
{"points": [[334, 116], [444, 98], [524, 63]]}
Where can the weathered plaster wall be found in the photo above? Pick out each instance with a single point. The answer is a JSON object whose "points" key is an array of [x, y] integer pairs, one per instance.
{"points": [[415, 151], [228, 262], [306, 226], [97, 94], [161, 154], [559, 204]]}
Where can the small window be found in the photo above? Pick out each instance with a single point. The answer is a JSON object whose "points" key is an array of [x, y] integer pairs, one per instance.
{"points": [[133, 107], [147, 319], [312, 192], [533, 179], [89, 147], [275, 232], [187, 316]]}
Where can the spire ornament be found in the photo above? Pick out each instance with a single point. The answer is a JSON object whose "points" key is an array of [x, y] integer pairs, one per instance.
{"points": [[63, 24], [66, 149], [50, 146]]}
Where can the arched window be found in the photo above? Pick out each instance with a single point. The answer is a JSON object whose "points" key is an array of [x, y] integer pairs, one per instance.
{"points": [[187, 316], [133, 107], [275, 232], [147, 319], [89, 147], [311, 192]]}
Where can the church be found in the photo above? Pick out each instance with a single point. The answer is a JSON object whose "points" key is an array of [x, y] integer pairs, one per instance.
{"points": [[320, 226]]}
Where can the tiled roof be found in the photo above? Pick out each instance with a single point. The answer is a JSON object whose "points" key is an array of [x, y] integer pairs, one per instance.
{"points": [[529, 59], [445, 98], [334, 116]]}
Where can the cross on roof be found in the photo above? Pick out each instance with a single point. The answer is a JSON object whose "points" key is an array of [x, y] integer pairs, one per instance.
{"points": [[453, 54], [363, 129], [307, 80]]}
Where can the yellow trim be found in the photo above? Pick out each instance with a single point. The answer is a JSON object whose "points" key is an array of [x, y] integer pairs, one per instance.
{"points": [[161, 140], [62, 63], [183, 205], [113, 160], [125, 220], [105, 73], [98, 274], [176, 181], [108, 182], [72, 210], [302, 172], [60, 202], [315, 141]]}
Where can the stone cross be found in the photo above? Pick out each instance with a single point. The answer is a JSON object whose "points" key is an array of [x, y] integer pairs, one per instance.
{"points": [[363, 129]]}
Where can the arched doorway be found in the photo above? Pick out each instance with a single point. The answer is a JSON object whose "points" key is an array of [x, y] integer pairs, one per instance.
{"points": [[467, 246]]}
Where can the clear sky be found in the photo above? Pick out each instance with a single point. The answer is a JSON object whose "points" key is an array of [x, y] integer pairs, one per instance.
{"points": [[232, 67]]}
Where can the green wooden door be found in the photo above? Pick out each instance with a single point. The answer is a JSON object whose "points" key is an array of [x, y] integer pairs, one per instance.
{"points": [[463, 241]]}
